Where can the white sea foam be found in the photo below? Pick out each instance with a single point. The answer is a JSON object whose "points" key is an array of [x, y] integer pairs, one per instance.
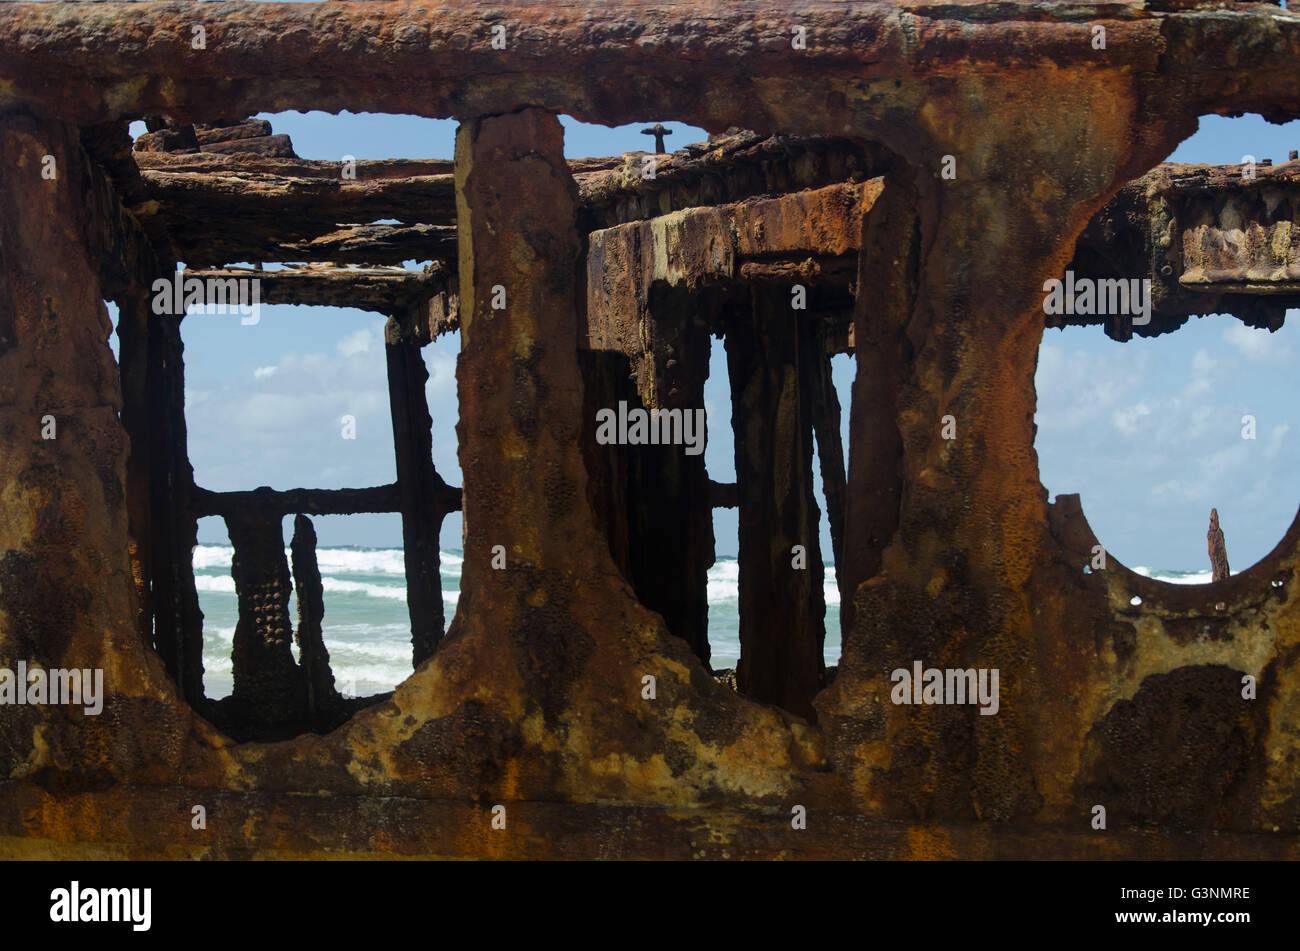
{"points": [[212, 556], [346, 561], [380, 561], [225, 584], [394, 664], [368, 637], [365, 658], [1176, 577], [343, 586], [723, 591], [724, 583], [222, 636]]}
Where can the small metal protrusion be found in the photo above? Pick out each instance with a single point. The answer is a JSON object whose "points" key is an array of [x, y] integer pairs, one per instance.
{"points": [[658, 131], [1167, 270]]}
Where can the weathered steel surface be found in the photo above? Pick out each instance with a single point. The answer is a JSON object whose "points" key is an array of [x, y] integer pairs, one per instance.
{"points": [[217, 209], [619, 61], [382, 498], [423, 493], [536, 698], [323, 701], [221, 213], [1218, 550], [386, 290], [711, 246], [270, 692], [782, 611], [1210, 239]]}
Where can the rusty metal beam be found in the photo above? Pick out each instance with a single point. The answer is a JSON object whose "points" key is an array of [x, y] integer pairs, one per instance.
{"points": [[222, 209], [383, 498], [382, 289], [577, 58], [1210, 239], [423, 494]]}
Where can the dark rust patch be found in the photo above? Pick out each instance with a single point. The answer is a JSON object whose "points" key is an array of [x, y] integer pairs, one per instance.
{"points": [[550, 650], [468, 749], [39, 606], [1176, 754]]}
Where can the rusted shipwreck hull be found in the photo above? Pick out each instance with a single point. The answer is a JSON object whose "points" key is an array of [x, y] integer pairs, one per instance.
{"points": [[536, 698]]}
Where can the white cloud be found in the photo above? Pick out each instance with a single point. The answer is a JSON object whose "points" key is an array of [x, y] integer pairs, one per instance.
{"points": [[1081, 388], [1220, 464], [1257, 346], [1127, 420], [286, 432], [355, 343], [1152, 446], [1275, 441]]}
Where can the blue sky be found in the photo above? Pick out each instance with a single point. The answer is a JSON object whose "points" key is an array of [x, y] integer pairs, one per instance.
{"points": [[1148, 432]]}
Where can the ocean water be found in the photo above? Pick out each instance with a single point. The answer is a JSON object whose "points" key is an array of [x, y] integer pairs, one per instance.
{"points": [[1176, 577], [367, 630]]}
